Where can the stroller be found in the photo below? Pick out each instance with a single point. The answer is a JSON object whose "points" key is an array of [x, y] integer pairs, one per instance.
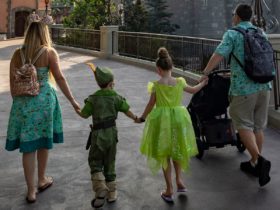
{"points": [[208, 111]]}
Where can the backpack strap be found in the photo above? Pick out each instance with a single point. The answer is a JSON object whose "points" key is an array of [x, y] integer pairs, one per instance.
{"points": [[22, 56], [243, 32], [38, 55]]}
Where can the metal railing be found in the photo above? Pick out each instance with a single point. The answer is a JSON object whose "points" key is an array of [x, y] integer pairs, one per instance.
{"points": [[80, 38], [276, 82], [188, 53]]}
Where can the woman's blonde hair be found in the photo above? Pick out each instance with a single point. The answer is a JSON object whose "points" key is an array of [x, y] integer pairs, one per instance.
{"points": [[36, 36]]}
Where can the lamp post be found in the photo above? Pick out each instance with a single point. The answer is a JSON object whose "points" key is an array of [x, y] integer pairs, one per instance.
{"points": [[270, 23], [47, 3], [47, 19], [258, 19], [121, 12]]}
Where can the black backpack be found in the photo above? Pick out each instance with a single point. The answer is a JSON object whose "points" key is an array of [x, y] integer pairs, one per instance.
{"points": [[259, 63]]}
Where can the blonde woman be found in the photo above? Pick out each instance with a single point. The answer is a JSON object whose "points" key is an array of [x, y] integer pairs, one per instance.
{"points": [[35, 122]]}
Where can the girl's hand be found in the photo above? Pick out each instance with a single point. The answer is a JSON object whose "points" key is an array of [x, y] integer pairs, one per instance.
{"points": [[137, 120], [204, 81]]}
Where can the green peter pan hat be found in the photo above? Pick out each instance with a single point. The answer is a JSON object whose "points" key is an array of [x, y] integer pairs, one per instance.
{"points": [[103, 75]]}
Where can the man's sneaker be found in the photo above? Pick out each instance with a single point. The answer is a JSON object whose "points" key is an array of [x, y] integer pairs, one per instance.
{"points": [[263, 167], [248, 168]]}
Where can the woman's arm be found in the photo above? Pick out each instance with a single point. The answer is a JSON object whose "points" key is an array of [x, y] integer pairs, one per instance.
{"points": [[60, 79]]}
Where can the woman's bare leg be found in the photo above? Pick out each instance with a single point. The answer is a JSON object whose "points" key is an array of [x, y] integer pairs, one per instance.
{"points": [[28, 162], [42, 157]]}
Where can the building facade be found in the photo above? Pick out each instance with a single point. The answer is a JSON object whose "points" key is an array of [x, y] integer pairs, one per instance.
{"points": [[211, 18], [14, 15]]}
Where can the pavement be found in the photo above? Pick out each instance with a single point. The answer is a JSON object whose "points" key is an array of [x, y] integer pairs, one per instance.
{"points": [[214, 183]]}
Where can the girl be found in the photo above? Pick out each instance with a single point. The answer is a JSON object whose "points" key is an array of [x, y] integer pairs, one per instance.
{"points": [[35, 121], [168, 134]]}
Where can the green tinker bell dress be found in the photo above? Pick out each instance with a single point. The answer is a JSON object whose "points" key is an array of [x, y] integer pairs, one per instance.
{"points": [[168, 131], [35, 121]]}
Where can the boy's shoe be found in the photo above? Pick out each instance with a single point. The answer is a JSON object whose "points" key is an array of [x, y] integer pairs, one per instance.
{"points": [[112, 194], [263, 168], [248, 168]]}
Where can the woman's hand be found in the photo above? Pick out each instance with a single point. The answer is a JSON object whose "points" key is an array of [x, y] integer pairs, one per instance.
{"points": [[75, 105]]}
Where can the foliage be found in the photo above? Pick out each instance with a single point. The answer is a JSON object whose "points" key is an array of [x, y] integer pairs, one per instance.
{"points": [[136, 18], [90, 14], [159, 18]]}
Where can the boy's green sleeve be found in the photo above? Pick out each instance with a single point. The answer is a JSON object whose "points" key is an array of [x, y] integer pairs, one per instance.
{"points": [[123, 105], [87, 109]]}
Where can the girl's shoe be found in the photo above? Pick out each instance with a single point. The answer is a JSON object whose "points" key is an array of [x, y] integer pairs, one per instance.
{"points": [[167, 198], [182, 190]]}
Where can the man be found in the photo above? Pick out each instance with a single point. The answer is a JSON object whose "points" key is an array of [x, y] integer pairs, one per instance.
{"points": [[249, 100]]}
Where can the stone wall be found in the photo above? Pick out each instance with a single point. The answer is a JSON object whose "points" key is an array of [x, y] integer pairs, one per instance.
{"points": [[3, 12], [210, 18]]}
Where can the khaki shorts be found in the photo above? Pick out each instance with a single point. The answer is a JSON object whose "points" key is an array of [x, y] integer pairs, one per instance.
{"points": [[250, 111]]}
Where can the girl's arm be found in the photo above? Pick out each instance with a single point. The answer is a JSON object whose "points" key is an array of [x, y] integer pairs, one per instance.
{"points": [[149, 106], [60, 79], [196, 88], [131, 115]]}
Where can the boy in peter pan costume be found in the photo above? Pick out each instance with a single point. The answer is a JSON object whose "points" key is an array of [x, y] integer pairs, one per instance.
{"points": [[103, 106]]}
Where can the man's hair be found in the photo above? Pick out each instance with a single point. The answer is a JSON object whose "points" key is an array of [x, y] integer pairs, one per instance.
{"points": [[244, 11]]}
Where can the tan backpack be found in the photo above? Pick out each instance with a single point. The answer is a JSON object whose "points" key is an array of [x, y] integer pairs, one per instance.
{"points": [[24, 79]]}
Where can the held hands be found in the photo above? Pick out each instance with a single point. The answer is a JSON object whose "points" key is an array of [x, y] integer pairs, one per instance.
{"points": [[139, 120], [204, 80], [76, 106]]}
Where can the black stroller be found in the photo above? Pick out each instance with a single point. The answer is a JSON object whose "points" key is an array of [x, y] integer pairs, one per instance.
{"points": [[208, 111]]}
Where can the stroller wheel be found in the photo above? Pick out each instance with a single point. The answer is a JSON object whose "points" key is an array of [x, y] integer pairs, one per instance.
{"points": [[240, 146], [200, 147]]}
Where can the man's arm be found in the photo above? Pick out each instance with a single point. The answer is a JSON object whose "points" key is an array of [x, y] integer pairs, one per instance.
{"points": [[213, 63]]}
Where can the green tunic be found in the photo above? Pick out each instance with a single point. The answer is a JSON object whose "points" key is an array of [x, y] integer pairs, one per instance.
{"points": [[104, 105]]}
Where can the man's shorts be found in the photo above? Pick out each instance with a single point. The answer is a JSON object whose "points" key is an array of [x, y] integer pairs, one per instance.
{"points": [[250, 111]]}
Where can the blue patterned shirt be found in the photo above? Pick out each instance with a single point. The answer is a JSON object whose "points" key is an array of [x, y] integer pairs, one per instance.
{"points": [[233, 42]]}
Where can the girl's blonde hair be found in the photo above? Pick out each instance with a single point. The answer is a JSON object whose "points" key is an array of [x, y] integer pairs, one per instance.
{"points": [[36, 36]]}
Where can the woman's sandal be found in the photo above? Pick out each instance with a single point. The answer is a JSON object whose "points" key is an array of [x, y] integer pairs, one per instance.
{"points": [[30, 200], [46, 185]]}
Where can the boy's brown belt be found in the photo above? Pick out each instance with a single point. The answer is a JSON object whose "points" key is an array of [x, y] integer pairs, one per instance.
{"points": [[103, 125], [98, 126]]}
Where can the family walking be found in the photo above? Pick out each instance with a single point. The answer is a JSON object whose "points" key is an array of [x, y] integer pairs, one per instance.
{"points": [[168, 139]]}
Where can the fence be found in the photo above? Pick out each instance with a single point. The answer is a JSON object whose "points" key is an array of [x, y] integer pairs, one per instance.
{"points": [[276, 82], [81, 38], [188, 53]]}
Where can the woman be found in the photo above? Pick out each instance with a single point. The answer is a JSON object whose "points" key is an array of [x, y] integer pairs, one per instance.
{"points": [[35, 121]]}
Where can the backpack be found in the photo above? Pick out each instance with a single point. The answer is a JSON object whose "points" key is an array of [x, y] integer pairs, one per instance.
{"points": [[259, 63], [24, 79]]}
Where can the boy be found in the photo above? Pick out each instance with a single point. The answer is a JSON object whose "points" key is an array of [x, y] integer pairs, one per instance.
{"points": [[104, 106]]}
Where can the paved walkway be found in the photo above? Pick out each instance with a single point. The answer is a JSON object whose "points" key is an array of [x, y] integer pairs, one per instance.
{"points": [[214, 183]]}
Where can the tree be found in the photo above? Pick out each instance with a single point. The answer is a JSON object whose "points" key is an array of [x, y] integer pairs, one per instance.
{"points": [[159, 18], [135, 17], [90, 13]]}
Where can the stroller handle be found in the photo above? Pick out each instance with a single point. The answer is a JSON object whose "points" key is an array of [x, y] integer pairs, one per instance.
{"points": [[215, 72]]}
